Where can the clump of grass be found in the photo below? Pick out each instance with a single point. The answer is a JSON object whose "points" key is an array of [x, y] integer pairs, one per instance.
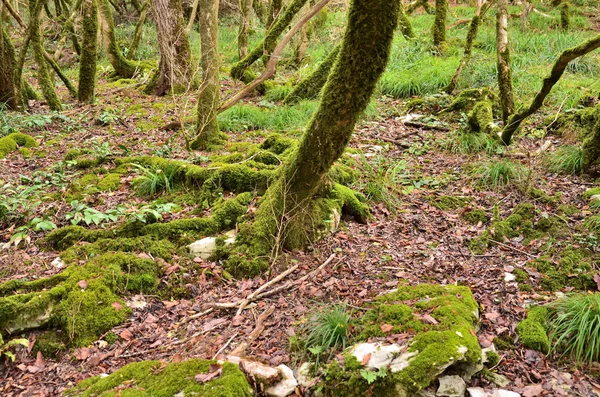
{"points": [[328, 329], [383, 181], [575, 327], [154, 181], [592, 223], [469, 142], [497, 174], [566, 159]]}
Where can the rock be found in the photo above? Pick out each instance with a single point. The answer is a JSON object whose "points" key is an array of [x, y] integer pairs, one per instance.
{"points": [[207, 246], [504, 393], [58, 263], [451, 386], [498, 379], [402, 361], [595, 197], [304, 376], [260, 372], [477, 392], [286, 386], [509, 277], [380, 355]]}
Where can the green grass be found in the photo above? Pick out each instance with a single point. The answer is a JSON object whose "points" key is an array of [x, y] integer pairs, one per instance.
{"points": [[328, 330], [382, 180], [498, 174], [154, 181], [469, 142], [575, 327], [566, 160]]}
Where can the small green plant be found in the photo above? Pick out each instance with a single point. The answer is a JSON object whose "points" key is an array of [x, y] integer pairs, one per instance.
{"points": [[575, 326], [371, 376], [384, 181], [82, 213], [566, 159], [164, 150], [497, 174], [154, 181], [6, 346], [107, 117], [470, 142], [36, 225], [102, 151], [328, 329]]}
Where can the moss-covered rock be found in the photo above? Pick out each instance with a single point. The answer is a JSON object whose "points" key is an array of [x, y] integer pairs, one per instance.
{"points": [[10, 143], [109, 183], [156, 379], [532, 330], [442, 320]]}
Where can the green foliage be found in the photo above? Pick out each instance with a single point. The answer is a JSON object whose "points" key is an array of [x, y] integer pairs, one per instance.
{"points": [[469, 142], [566, 160], [498, 174], [154, 181], [144, 213], [6, 346], [575, 326], [328, 329], [532, 330]]}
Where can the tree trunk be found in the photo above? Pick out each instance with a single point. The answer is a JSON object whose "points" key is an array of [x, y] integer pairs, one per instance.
{"points": [[260, 9], [137, 36], [291, 203], [123, 67], [245, 28], [555, 74], [303, 38], [174, 72], [310, 87], [207, 128], [439, 25], [405, 26], [269, 42], [43, 74], [8, 88], [565, 20], [274, 10], [471, 36], [504, 72], [89, 52]]}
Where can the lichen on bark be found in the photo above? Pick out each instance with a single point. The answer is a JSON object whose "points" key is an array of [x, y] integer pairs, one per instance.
{"points": [[89, 52]]}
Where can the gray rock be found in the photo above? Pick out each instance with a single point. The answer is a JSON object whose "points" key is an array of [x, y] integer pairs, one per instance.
{"points": [[304, 376], [380, 355], [451, 386], [477, 392], [286, 386], [262, 373], [498, 379], [207, 246], [504, 393]]}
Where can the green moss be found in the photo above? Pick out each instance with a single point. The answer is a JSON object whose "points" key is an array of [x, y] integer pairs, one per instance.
{"points": [[521, 275], [474, 216], [532, 332], [588, 194], [542, 196], [152, 378], [7, 146], [504, 343], [466, 99], [50, 343], [25, 152], [110, 182], [573, 267], [568, 210], [481, 118], [492, 358], [23, 140], [111, 338], [446, 203]]}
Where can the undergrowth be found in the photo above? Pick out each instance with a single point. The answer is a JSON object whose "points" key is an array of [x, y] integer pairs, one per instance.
{"points": [[498, 174]]}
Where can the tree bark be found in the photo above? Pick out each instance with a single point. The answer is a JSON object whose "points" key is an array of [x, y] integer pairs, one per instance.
{"points": [[274, 10], [123, 67], [504, 71], [174, 72], [555, 74], [269, 42], [439, 25], [290, 201], [260, 9], [405, 26], [89, 52], [244, 28], [137, 36], [8, 88], [310, 87], [207, 127], [43, 74]]}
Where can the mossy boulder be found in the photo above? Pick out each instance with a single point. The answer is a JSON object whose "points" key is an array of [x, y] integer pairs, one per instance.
{"points": [[532, 330], [443, 320], [157, 379], [11, 142]]}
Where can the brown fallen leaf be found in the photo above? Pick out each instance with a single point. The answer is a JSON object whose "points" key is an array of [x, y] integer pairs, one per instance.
{"points": [[117, 306], [532, 390], [385, 328], [82, 284], [82, 354], [597, 280], [126, 334], [214, 371], [177, 358], [366, 359]]}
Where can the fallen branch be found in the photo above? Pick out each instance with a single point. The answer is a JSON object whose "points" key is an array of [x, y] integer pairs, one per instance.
{"points": [[426, 126], [458, 23], [225, 345], [256, 332]]}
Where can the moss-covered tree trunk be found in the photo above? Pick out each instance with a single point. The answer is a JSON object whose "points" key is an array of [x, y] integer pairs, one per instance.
{"points": [[245, 24], [122, 66], [471, 36], [555, 74], [269, 42], [89, 52], [291, 203], [439, 25], [507, 101], [405, 26], [207, 128], [8, 88], [174, 69], [43, 74], [137, 35], [310, 86], [260, 9], [565, 20], [274, 10]]}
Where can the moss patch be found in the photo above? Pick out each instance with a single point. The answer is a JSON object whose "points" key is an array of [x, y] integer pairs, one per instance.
{"points": [[447, 203], [532, 330], [154, 378], [10, 143]]}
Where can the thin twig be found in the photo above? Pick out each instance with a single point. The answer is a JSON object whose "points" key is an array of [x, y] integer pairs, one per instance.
{"points": [[225, 345]]}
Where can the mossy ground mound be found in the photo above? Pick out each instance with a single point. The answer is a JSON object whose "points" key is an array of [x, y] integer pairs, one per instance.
{"points": [[443, 321], [532, 330], [157, 379]]}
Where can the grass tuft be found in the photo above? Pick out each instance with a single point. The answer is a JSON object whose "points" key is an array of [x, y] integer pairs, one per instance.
{"points": [[497, 174], [469, 142], [566, 160], [328, 330]]}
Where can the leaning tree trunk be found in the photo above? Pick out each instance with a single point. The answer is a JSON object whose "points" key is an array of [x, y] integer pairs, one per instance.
{"points": [[174, 71], [89, 52], [246, 6], [439, 25], [207, 128], [405, 26], [8, 88], [123, 67], [274, 9], [310, 86], [555, 74], [471, 36], [268, 43], [43, 74], [504, 72], [291, 201], [137, 35]]}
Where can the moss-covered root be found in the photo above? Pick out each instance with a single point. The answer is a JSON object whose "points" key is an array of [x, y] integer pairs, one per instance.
{"points": [[449, 343], [269, 43], [532, 330], [153, 379], [310, 86], [591, 146], [89, 52], [439, 25], [83, 301], [10, 143], [481, 119]]}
